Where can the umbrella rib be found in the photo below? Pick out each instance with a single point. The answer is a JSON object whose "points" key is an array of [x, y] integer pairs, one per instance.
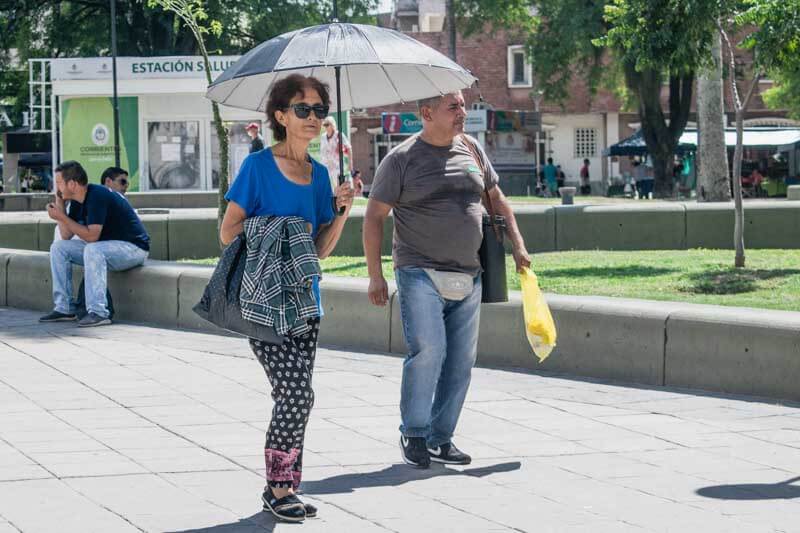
{"points": [[389, 79], [230, 93], [266, 93]]}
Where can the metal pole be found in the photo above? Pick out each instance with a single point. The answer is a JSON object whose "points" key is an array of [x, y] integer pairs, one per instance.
{"points": [[342, 179], [115, 103], [451, 27]]}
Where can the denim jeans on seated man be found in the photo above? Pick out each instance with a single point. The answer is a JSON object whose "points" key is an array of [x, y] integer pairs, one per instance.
{"points": [[442, 339], [97, 259]]}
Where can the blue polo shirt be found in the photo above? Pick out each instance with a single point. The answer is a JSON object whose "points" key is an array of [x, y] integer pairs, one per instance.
{"points": [[112, 211]]}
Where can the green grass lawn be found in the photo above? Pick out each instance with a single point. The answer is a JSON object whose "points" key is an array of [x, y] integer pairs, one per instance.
{"points": [[771, 279], [579, 200]]}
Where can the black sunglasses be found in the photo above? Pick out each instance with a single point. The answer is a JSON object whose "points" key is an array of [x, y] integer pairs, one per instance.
{"points": [[122, 181], [302, 110]]}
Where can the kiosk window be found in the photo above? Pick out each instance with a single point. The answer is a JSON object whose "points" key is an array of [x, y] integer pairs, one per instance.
{"points": [[173, 150], [238, 149]]}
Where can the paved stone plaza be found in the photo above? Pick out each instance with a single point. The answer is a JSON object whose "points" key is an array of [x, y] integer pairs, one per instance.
{"points": [[130, 428]]}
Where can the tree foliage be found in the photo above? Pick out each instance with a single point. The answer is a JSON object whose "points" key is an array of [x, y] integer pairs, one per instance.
{"points": [[775, 41], [81, 28]]}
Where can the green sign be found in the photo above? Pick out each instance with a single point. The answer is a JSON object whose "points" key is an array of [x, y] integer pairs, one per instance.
{"points": [[87, 130]]}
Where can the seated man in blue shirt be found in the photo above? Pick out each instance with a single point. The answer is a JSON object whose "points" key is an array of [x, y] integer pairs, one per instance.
{"points": [[112, 238]]}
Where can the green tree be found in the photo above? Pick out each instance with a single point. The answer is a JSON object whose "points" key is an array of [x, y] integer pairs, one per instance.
{"points": [[646, 43], [776, 44], [193, 15]]}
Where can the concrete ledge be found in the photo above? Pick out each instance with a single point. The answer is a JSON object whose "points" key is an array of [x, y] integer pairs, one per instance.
{"points": [[731, 350], [538, 226], [608, 338], [28, 280], [773, 226], [793, 192], [189, 237], [5, 256], [735, 350], [349, 315], [650, 227], [193, 233], [19, 234]]}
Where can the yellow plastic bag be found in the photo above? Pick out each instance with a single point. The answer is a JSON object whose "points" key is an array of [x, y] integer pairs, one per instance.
{"points": [[539, 325]]}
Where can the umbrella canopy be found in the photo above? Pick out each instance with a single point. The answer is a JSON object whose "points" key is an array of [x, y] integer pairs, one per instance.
{"points": [[378, 67], [635, 145]]}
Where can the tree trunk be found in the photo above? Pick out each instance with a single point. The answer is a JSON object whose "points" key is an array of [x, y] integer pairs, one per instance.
{"points": [[451, 27], [662, 173], [738, 227], [713, 183], [222, 137], [660, 136]]}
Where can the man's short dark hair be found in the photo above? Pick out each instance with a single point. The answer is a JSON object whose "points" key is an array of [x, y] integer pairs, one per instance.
{"points": [[283, 92], [549, 160], [73, 171], [112, 173]]}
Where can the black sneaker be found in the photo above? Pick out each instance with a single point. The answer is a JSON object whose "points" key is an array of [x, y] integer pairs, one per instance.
{"points": [[288, 508], [55, 316], [449, 455], [414, 451], [91, 320]]}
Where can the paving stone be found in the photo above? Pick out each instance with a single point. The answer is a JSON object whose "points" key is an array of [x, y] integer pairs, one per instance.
{"points": [[163, 430]]}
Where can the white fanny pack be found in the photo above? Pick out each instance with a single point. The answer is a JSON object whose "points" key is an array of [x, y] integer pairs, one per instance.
{"points": [[451, 285]]}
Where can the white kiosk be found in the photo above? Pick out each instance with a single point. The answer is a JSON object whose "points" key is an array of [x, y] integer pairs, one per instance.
{"points": [[167, 138]]}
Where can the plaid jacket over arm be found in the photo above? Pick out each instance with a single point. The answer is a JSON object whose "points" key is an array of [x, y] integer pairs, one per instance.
{"points": [[279, 272]]}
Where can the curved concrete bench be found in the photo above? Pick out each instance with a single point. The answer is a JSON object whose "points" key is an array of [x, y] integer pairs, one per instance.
{"points": [[731, 350], [192, 233]]}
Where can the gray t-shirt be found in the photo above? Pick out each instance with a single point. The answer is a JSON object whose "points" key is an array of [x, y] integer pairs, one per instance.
{"points": [[435, 193]]}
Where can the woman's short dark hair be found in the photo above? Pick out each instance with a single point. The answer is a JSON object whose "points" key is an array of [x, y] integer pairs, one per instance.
{"points": [[72, 171], [283, 92]]}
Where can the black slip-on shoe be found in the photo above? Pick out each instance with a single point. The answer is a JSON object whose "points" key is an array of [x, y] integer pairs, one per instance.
{"points": [[288, 508], [448, 454], [414, 451], [55, 316]]}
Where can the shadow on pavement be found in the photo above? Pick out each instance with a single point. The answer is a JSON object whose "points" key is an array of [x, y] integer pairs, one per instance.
{"points": [[258, 523], [397, 475], [753, 491]]}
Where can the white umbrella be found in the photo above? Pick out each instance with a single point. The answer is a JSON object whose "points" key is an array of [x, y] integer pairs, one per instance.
{"points": [[377, 66]]}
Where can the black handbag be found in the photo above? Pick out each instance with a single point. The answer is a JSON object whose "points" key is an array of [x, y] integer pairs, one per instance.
{"points": [[492, 253], [220, 302]]}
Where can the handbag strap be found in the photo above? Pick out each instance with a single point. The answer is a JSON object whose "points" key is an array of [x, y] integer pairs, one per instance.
{"points": [[487, 201]]}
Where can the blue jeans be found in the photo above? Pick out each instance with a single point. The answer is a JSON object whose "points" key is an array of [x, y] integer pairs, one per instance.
{"points": [[442, 339], [97, 259]]}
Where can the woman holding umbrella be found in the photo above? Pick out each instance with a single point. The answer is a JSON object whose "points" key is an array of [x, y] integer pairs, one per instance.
{"points": [[285, 181]]}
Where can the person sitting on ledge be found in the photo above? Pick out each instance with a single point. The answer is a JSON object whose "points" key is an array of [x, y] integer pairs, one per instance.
{"points": [[112, 237]]}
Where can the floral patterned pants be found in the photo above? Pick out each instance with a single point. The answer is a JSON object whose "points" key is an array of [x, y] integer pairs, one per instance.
{"points": [[289, 368]]}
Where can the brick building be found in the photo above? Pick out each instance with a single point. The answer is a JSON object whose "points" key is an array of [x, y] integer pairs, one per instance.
{"points": [[579, 128]]}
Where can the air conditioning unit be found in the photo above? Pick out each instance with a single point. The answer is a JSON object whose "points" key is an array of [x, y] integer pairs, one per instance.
{"points": [[477, 106]]}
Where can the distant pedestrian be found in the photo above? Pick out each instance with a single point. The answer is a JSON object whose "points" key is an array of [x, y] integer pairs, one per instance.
{"points": [[256, 142], [586, 186], [551, 177], [644, 181]]}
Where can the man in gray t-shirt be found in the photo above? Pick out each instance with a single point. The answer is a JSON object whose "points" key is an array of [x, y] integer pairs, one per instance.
{"points": [[433, 185]]}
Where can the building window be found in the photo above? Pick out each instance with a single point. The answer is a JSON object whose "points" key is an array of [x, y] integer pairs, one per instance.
{"points": [[520, 72], [173, 149], [585, 143]]}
